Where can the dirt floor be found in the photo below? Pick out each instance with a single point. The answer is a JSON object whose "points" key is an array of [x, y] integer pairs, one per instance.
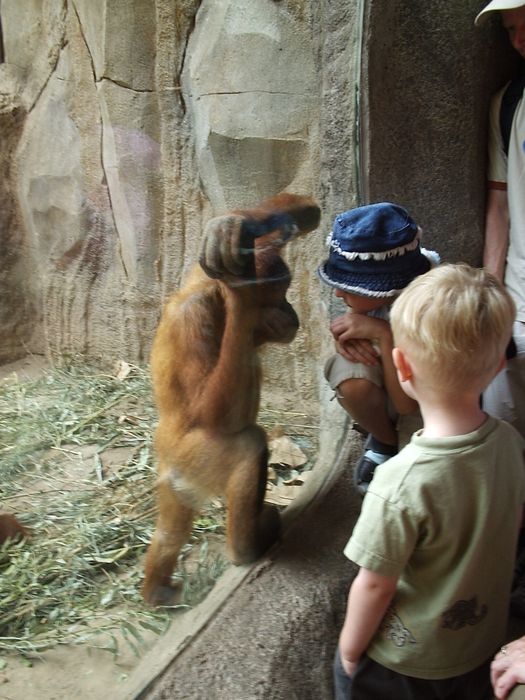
{"points": [[79, 670], [66, 673]]}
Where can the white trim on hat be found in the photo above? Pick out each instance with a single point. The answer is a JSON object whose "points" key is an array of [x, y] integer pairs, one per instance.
{"points": [[376, 255], [431, 255], [496, 6], [356, 288]]}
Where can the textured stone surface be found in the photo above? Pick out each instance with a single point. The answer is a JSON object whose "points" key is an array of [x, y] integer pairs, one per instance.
{"points": [[253, 92], [132, 122], [142, 120], [428, 74]]}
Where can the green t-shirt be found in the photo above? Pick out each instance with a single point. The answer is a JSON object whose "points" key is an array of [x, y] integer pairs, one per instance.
{"points": [[443, 515]]}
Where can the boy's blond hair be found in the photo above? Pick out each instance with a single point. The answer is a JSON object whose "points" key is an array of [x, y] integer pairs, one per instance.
{"points": [[456, 321]]}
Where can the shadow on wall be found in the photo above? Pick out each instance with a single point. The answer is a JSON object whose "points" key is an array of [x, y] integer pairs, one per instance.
{"points": [[427, 77]]}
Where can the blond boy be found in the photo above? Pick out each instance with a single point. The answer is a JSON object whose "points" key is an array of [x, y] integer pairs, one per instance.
{"points": [[437, 533]]}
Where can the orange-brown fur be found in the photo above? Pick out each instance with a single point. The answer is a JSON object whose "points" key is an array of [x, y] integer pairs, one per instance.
{"points": [[10, 528], [207, 380]]}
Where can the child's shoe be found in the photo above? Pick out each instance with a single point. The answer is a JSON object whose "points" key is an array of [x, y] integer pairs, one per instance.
{"points": [[375, 453]]}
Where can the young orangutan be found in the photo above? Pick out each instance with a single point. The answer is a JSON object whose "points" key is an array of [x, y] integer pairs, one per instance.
{"points": [[207, 380]]}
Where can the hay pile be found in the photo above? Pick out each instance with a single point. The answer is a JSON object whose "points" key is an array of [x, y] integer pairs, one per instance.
{"points": [[77, 579]]}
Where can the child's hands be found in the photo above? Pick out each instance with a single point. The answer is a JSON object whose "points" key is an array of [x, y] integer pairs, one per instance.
{"points": [[354, 336], [358, 351]]}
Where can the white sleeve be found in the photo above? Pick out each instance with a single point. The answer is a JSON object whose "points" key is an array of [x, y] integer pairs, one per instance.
{"points": [[497, 164]]}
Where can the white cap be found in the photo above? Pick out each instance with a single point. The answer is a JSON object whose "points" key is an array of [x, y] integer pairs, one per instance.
{"points": [[496, 6]]}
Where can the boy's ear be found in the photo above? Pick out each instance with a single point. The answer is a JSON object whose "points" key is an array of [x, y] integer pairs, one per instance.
{"points": [[502, 365], [402, 365]]}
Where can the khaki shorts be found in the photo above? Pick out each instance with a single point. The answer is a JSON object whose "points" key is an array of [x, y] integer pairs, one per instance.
{"points": [[337, 369], [505, 395]]}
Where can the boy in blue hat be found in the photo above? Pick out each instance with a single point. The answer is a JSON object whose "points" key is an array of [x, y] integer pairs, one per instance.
{"points": [[375, 253]]}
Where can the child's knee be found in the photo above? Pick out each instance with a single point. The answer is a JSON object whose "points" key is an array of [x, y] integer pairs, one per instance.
{"points": [[360, 390], [338, 371]]}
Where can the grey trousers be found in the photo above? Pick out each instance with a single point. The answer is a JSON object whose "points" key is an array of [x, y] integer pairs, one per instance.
{"points": [[371, 681]]}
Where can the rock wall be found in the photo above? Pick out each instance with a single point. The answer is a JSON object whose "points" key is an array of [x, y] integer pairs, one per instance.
{"points": [[91, 169], [428, 74], [126, 124], [134, 122], [17, 312]]}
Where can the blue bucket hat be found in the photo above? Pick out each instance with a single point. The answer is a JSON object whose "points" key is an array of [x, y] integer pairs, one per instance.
{"points": [[375, 251]]}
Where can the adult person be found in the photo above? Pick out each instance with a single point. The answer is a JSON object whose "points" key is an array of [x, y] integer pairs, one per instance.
{"points": [[507, 671], [504, 251]]}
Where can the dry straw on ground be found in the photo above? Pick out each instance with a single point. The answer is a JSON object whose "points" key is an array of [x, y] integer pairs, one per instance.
{"points": [[77, 579], [76, 467]]}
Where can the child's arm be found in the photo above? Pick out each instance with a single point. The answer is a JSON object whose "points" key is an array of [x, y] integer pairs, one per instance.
{"points": [[353, 347], [369, 597], [351, 331]]}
